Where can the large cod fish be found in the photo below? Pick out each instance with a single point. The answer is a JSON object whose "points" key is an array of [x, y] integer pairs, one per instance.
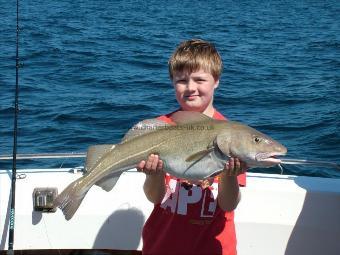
{"points": [[196, 148]]}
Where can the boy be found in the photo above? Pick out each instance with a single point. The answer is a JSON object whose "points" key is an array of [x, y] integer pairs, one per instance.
{"points": [[192, 218]]}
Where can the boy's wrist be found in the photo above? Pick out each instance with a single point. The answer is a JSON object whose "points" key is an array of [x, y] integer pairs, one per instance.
{"points": [[227, 178], [155, 175]]}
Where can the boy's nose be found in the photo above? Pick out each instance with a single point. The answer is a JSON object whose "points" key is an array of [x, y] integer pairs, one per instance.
{"points": [[191, 86]]}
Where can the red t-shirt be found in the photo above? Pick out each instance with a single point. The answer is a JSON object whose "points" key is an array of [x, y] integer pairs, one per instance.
{"points": [[189, 220]]}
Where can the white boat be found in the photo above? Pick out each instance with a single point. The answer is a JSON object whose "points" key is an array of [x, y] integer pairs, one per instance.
{"points": [[278, 214]]}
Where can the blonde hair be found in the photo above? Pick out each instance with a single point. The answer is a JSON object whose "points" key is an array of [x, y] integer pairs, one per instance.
{"points": [[192, 55]]}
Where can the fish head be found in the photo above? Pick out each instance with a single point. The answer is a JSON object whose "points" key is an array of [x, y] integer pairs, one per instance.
{"points": [[251, 146]]}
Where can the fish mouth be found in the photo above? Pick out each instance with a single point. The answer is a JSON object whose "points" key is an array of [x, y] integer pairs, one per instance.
{"points": [[269, 157]]}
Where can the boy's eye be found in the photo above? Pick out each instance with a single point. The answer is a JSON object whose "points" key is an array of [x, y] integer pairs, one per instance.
{"points": [[200, 80]]}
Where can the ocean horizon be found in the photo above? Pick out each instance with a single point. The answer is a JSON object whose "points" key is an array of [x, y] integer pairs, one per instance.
{"points": [[92, 69]]}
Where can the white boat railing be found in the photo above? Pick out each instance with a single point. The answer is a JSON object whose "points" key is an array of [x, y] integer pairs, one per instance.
{"points": [[44, 155]]}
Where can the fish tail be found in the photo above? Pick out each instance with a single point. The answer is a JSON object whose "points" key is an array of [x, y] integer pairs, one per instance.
{"points": [[70, 199]]}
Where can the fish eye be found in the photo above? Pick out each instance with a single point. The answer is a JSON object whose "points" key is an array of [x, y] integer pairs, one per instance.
{"points": [[257, 139]]}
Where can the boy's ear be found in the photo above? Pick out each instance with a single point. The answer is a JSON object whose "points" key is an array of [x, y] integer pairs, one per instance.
{"points": [[216, 84]]}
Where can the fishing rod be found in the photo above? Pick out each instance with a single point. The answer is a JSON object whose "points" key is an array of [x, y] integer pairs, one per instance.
{"points": [[291, 161], [15, 135]]}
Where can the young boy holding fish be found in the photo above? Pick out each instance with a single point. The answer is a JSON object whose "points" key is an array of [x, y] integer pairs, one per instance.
{"points": [[192, 217]]}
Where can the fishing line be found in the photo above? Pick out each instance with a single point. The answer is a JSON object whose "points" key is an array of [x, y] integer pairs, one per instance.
{"points": [[15, 134]]}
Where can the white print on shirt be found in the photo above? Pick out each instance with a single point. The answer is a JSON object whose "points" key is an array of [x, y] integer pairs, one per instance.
{"points": [[177, 198]]}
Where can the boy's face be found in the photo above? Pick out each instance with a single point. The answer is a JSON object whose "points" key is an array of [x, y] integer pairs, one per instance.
{"points": [[195, 91]]}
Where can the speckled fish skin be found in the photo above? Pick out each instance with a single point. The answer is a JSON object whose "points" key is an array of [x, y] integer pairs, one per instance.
{"points": [[196, 148]]}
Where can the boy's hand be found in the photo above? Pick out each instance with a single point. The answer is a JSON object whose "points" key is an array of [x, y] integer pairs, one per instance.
{"points": [[235, 167], [153, 165], [154, 185]]}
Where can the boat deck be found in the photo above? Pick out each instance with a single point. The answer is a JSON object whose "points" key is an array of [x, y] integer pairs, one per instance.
{"points": [[278, 214]]}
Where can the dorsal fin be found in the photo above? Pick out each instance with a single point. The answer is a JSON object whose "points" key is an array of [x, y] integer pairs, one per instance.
{"points": [[188, 117], [143, 127], [95, 153]]}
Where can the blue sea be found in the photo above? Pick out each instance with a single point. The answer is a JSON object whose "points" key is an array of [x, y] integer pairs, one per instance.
{"points": [[92, 69]]}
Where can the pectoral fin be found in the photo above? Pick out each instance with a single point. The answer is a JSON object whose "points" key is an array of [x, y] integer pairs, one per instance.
{"points": [[199, 155], [208, 166]]}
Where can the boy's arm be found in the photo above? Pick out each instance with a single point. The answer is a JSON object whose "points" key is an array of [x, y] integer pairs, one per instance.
{"points": [[228, 189], [154, 185]]}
